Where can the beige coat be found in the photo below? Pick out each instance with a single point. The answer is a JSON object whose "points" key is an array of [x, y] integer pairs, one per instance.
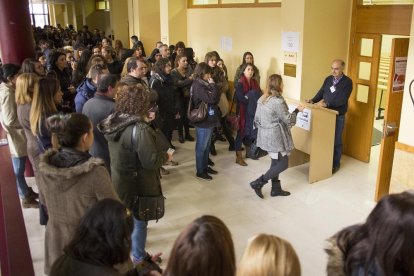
{"points": [[10, 122], [68, 194]]}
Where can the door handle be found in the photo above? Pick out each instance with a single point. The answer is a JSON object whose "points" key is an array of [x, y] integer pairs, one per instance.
{"points": [[389, 129]]}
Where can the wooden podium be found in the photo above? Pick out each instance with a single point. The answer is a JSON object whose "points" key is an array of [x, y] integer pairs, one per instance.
{"points": [[316, 145]]}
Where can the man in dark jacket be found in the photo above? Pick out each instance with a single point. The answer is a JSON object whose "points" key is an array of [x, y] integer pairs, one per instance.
{"points": [[97, 109], [334, 94], [86, 90]]}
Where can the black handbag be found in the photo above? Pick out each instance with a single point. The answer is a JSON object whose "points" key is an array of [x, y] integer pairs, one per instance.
{"points": [[147, 208], [198, 114]]}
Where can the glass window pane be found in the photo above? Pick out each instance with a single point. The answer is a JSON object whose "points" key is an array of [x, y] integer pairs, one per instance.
{"points": [[364, 70], [236, 1], [37, 8], [362, 93], [204, 2], [387, 2], [367, 45], [40, 20]]}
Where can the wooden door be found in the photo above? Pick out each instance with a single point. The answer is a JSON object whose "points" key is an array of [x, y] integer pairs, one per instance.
{"points": [[364, 63], [392, 115]]}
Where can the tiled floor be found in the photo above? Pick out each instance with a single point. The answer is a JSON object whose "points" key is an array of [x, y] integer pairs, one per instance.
{"points": [[306, 218]]}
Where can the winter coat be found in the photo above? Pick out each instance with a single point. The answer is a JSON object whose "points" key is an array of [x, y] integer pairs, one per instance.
{"points": [[97, 109], [33, 151], [168, 102], [85, 91], [10, 122], [208, 93], [71, 182], [69, 266], [274, 121], [135, 165]]}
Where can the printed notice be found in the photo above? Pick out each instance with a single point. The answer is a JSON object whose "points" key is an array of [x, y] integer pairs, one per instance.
{"points": [[398, 79], [303, 120], [290, 42]]}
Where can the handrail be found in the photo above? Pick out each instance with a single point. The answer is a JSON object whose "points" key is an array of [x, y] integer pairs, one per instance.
{"points": [[15, 257]]}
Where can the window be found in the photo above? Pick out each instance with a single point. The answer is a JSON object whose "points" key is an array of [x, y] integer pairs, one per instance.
{"points": [[387, 2], [232, 3], [39, 14], [102, 5]]}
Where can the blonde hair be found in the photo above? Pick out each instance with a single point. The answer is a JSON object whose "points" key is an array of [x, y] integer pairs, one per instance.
{"points": [[269, 255], [273, 87], [124, 68], [26, 84]]}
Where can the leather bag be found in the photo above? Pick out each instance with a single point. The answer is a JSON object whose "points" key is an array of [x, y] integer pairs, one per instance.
{"points": [[147, 208], [198, 114], [233, 118]]}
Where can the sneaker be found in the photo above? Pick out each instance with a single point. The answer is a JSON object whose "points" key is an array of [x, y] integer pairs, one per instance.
{"points": [[204, 176], [188, 137], [211, 171], [164, 171], [210, 162], [29, 202]]}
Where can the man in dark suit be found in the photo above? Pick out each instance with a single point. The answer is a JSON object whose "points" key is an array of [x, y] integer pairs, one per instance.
{"points": [[334, 94]]}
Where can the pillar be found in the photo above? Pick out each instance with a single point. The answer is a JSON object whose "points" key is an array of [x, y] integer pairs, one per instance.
{"points": [[16, 36]]}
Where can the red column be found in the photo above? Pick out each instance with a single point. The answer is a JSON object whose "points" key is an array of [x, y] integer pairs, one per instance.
{"points": [[16, 36]]}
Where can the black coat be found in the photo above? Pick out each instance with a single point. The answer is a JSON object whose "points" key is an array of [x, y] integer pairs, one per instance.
{"points": [[208, 93]]}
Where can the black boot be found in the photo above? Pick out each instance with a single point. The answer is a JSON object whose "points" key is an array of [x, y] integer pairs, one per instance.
{"points": [[257, 186], [277, 189], [181, 136]]}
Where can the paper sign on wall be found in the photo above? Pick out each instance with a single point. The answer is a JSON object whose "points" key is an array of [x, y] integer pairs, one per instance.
{"points": [[226, 44], [290, 41], [398, 79]]}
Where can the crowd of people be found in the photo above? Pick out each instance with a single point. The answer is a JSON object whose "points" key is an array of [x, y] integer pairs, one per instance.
{"points": [[96, 123]]}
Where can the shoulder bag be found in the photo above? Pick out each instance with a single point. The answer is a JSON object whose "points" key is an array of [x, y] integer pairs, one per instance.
{"points": [[233, 118], [198, 114], [147, 208]]}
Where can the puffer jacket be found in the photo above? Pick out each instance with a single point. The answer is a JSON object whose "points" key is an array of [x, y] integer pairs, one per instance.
{"points": [[135, 164], [85, 91]]}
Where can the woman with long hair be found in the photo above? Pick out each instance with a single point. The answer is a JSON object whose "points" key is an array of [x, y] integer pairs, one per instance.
{"points": [[182, 75], [205, 247], [246, 94], [58, 64], [168, 103], [31, 65], [204, 90], [44, 104], [247, 59], [269, 255], [15, 134], [274, 121], [71, 181], [383, 245], [135, 157], [101, 241]]}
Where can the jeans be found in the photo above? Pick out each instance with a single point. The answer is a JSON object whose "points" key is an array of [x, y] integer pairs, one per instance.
{"points": [[276, 167], [19, 165], [238, 142], [138, 239], [339, 127], [202, 148]]}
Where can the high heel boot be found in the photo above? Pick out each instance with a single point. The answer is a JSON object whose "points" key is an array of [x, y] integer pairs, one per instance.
{"points": [[257, 186], [277, 189], [239, 158]]}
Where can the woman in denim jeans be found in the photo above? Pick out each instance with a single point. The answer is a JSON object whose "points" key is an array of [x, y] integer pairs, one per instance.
{"points": [[204, 89]]}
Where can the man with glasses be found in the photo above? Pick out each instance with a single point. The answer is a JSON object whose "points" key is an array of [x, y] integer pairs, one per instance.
{"points": [[334, 94]]}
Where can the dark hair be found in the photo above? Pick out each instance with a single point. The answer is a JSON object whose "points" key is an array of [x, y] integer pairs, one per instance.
{"points": [[103, 237], [160, 65], [69, 128], [132, 64], [10, 70], [53, 58], [204, 247], [244, 66], [179, 44], [244, 57], [201, 69], [189, 53], [107, 81], [385, 241], [83, 61], [132, 99], [177, 59]]}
